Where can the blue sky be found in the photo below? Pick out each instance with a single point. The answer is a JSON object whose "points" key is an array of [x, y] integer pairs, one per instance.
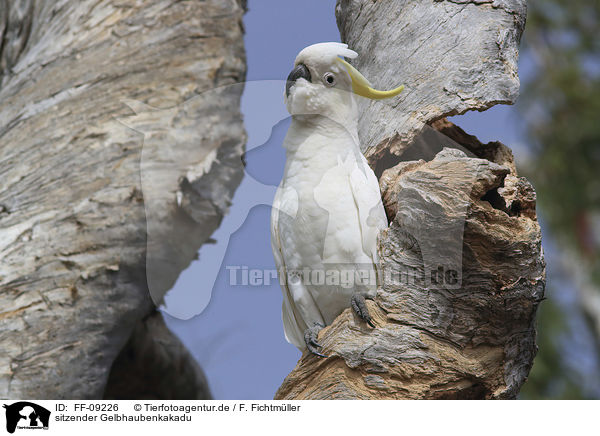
{"points": [[238, 339]]}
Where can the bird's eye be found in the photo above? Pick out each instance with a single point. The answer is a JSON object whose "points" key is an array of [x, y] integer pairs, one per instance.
{"points": [[329, 79]]}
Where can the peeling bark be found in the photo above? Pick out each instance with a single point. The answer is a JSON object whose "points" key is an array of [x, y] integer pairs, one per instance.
{"points": [[462, 259], [74, 212]]}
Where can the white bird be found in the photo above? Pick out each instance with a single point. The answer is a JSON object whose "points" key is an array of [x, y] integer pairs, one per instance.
{"points": [[327, 212]]}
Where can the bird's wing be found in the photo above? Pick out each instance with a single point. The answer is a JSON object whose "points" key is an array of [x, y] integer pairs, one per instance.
{"points": [[293, 325], [367, 198]]}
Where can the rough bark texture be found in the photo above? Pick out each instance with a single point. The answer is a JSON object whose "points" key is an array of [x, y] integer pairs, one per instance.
{"points": [[452, 56], [77, 203], [462, 258]]}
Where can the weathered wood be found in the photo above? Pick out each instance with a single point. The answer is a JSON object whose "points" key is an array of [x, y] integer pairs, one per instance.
{"points": [[451, 55], [74, 210], [462, 258], [437, 338]]}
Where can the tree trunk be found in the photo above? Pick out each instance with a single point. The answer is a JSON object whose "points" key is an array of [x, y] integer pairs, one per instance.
{"points": [[93, 214], [154, 365], [462, 258]]}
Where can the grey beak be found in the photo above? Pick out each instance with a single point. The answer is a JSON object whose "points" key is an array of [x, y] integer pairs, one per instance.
{"points": [[300, 71]]}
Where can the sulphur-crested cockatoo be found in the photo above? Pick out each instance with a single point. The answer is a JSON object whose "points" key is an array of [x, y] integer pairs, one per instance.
{"points": [[327, 211]]}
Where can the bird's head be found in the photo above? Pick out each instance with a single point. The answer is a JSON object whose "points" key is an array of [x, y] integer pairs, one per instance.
{"points": [[322, 83]]}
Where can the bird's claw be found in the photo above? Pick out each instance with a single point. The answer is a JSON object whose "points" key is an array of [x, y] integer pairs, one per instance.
{"points": [[310, 338], [360, 308]]}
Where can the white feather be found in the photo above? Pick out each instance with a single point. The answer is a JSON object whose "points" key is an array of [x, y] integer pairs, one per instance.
{"points": [[324, 52]]}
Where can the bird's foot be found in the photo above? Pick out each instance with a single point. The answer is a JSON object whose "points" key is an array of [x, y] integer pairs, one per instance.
{"points": [[311, 335], [360, 308]]}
